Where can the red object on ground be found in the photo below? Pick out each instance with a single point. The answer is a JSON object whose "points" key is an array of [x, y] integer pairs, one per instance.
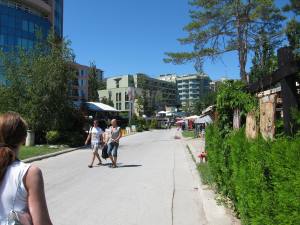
{"points": [[202, 155]]}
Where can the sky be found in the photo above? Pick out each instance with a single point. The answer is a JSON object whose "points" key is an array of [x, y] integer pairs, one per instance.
{"points": [[132, 36]]}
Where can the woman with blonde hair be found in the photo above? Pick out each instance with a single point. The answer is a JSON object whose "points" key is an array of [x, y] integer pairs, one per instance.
{"points": [[22, 196]]}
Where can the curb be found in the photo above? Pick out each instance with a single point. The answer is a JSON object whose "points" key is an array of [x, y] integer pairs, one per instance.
{"points": [[41, 157], [215, 214], [37, 158]]}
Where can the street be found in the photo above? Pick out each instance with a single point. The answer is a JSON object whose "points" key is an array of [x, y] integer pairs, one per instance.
{"points": [[153, 185]]}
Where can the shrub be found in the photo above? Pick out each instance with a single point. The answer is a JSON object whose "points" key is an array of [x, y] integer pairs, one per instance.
{"points": [[74, 139], [153, 124], [52, 137], [261, 177]]}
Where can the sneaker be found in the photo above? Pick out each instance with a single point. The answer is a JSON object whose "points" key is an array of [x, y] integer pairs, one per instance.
{"points": [[90, 166]]}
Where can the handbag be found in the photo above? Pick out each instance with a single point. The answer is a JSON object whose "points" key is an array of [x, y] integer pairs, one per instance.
{"points": [[15, 217], [104, 154]]}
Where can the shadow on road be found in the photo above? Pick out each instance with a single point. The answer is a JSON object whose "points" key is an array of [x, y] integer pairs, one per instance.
{"points": [[125, 166]]}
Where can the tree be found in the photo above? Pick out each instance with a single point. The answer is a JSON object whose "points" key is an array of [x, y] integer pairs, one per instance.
{"points": [[222, 26], [202, 103], [38, 85], [107, 101], [264, 61], [93, 82], [293, 26]]}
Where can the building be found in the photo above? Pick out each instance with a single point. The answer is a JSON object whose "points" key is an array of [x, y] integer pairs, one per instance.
{"points": [[80, 86], [192, 87], [168, 77], [214, 85], [20, 20], [156, 94]]}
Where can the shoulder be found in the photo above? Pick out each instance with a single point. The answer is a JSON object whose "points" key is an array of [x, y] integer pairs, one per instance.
{"points": [[34, 177]]}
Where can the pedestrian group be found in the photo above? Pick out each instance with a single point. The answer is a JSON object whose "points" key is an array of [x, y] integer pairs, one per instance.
{"points": [[107, 142]]}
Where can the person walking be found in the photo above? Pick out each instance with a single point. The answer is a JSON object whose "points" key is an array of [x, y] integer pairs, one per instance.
{"points": [[22, 198], [95, 135], [113, 143]]}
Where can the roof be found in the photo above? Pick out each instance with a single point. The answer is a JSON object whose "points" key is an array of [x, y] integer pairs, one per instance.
{"points": [[206, 119], [98, 106]]}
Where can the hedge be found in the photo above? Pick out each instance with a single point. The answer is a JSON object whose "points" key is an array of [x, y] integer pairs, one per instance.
{"points": [[261, 177]]}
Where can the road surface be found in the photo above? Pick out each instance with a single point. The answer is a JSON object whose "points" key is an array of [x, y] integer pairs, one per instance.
{"points": [[153, 185]]}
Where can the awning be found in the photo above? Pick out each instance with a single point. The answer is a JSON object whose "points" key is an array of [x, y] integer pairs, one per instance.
{"points": [[192, 117], [206, 119], [98, 106]]}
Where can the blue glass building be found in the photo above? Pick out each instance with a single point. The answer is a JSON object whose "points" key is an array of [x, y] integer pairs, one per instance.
{"points": [[20, 20]]}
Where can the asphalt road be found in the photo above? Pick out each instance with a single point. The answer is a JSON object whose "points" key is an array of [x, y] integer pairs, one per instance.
{"points": [[153, 185]]}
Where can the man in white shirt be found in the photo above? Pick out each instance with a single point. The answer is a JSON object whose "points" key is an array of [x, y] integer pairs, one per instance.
{"points": [[95, 135]]}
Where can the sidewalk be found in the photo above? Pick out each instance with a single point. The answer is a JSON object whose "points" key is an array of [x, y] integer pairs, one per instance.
{"points": [[215, 214]]}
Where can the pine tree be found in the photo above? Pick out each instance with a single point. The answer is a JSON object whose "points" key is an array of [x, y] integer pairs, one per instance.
{"points": [[220, 26]]}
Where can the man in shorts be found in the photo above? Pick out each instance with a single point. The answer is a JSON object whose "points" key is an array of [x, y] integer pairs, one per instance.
{"points": [[95, 135]]}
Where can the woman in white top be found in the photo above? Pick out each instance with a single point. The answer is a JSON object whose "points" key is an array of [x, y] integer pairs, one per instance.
{"points": [[21, 185], [95, 135]]}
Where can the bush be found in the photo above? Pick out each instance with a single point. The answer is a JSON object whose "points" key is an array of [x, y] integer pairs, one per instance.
{"points": [[261, 177], [74, 139], [153, 124], [52, 137]]}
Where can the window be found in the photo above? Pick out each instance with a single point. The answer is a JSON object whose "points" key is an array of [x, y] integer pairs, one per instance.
{"points": [[24, 25], [126, 105], [82, 72], [31, 27], [126, 96]]}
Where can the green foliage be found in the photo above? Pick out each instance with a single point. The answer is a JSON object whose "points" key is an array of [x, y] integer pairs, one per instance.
{"points": [[107, 102], [94, 83], [206, 174], [293, 26], [73, 138], [39, 83], [261, 178], [264, 61], [201, 104], [188, 133], [52, 137], [154, 124], [231, 95], [222, 26]]}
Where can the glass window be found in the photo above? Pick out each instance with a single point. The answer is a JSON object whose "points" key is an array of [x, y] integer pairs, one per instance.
{"points": [[82, 72], [30, 44], [126, 105], [126, 96], [117, 96], [24, 25], [1, 39], [4, 20], [31, 27]]}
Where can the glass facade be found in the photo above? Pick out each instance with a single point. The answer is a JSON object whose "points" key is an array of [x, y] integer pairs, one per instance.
{"points": [[18, 27], [58, 18]]}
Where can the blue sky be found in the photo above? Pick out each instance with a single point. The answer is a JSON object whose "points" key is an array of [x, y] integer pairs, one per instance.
{"points": [[130, 36]]}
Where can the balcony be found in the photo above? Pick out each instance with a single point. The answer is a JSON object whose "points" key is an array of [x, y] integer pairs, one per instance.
{"points": [[39, 4]]}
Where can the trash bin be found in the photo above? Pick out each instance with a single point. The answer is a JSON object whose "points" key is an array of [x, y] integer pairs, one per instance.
{"points": [[30, 138]]}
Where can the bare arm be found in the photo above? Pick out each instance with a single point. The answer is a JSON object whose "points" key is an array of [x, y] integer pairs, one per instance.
{"points": [[120, 135], [34, 184], [88, 139]]}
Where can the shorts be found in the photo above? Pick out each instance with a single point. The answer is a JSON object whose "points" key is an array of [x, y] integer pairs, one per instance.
{"points": [[95, 148], [112, 149]]}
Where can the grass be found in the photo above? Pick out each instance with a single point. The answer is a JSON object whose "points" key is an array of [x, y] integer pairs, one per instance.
{"points": [[188, 133], [28, 152], [205, 174]]}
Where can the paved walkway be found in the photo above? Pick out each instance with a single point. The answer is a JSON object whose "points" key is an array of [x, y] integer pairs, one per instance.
{"points": [[155, 184], [216, 214]]}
